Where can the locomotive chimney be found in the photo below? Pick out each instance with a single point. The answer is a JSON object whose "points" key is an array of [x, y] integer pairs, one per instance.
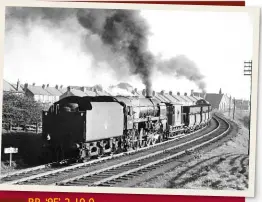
{"points": [[178, 93], [185, 94], [162, 92], [170, 92], [148, 92]]}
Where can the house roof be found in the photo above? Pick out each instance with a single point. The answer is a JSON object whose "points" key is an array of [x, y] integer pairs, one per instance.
{"points": [[62, 90], [7, 86], [160, 97], [11, 87], [178, 97], [79, 93], [171, 98], [37, 90], [194, 99], [53, 91], [186, 98], [20, 89], [214, 99]]}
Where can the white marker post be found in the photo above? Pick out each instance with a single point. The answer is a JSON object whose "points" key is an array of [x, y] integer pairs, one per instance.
{"points": [[11, 150]]}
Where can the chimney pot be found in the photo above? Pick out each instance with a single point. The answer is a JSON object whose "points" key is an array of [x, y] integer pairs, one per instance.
{"points": [[178, 93], [17, 85], [61, 86], [162, 92], [82, 88], [68, 88], [47, 85], [135, 90], [154, 93], [26, 85], [185, 94], [144, 92], [56, 86], [192, 92], [170, 92], [43, 86], [33, 84]]}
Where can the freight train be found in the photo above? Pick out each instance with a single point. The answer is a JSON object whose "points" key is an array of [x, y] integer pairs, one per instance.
{"points": [[88, 127]]}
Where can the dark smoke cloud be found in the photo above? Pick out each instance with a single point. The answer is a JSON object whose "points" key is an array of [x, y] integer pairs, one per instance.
{"points": [[126, 33], [25, 16], [118, 38], [181, 66]]}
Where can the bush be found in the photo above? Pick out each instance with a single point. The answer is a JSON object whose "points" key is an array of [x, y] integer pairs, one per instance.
{"points": [[21, 110]]}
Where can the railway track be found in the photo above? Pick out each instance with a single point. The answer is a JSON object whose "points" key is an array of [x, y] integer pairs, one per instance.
{"points": [[111, 169], [43, 171], [110, 176]]}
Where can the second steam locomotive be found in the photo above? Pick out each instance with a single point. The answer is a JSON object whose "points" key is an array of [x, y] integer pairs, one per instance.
{"points": [[85, 127]]}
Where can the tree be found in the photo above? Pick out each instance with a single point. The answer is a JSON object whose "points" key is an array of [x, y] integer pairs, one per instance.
{"points": [[21, 110]]}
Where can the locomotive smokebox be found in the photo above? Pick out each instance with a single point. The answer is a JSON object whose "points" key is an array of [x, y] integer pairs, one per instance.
{"points": [[148, 92]]}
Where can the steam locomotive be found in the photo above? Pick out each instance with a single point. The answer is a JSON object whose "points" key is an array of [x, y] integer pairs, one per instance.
{"points": [[87, 127]]}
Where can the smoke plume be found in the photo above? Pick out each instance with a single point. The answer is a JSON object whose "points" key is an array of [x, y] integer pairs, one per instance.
{"points": [[181, 66], [126, 33], [117, 38]]}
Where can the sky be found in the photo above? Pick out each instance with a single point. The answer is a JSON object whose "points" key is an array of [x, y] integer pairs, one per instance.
{"points": [[217, 42]]}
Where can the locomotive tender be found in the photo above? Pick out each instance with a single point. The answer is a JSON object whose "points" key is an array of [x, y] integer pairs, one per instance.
{"points": [[85, 127]]}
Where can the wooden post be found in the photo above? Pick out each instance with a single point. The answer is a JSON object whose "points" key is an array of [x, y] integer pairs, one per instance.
{"points": [[10, 160]]}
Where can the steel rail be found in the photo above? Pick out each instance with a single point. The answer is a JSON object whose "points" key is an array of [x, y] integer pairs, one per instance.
{"points": [[80, 165], [64, 182]]}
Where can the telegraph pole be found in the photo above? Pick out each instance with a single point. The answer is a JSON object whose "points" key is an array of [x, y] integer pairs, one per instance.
{"points": [[248, 72]]}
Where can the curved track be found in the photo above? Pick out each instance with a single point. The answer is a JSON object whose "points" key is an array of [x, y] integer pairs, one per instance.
{"points": [[113, 169], [126, 170], [45, 170]]}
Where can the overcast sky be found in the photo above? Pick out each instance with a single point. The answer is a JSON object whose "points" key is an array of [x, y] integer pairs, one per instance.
{"points": [[217, 42]]}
